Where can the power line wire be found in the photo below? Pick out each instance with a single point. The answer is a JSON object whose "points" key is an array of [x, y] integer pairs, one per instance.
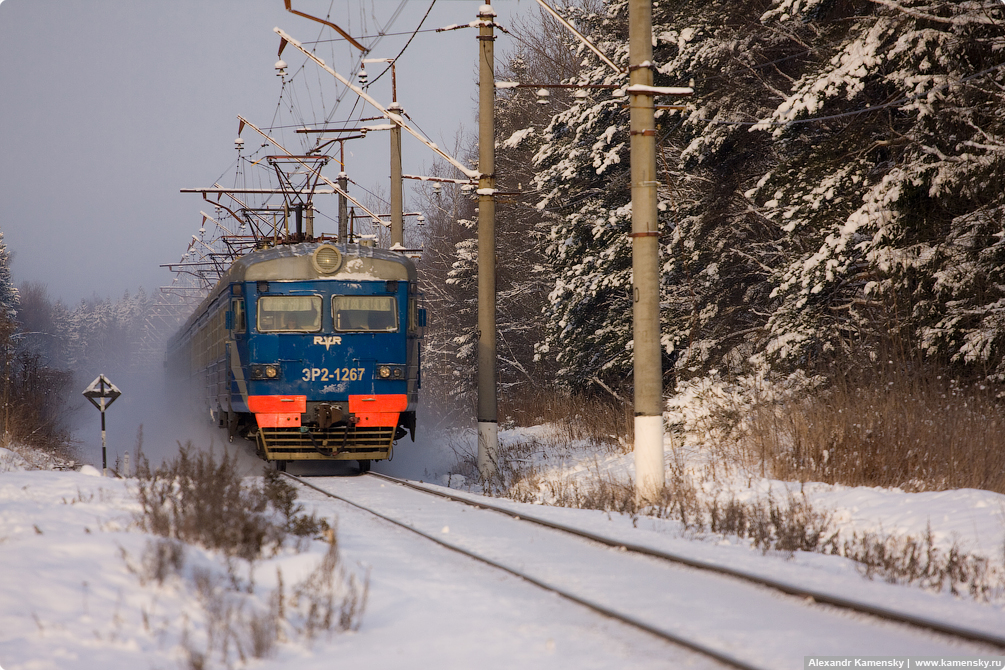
{"points": [[414, 33]]}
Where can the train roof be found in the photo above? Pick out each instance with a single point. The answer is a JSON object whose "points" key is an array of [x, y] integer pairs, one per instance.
{"points": [[295, 262]]}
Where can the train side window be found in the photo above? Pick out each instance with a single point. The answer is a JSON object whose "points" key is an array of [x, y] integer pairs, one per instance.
{"points": [[289, 314], [240, 319], [365, 313]]}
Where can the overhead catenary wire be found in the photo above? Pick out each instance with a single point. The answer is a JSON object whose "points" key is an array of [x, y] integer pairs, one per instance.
{"points": [[366, 37], [394, 118], [414, 33], [298, 95]]}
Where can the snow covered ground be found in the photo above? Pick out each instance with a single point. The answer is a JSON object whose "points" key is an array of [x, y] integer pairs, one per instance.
{"points": [[75, 592], [973, 520]]}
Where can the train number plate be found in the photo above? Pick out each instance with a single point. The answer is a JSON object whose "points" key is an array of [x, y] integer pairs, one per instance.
{"points": [[335, 375]]}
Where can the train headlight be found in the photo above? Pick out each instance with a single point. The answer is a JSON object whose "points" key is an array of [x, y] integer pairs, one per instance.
{"points": [[269, 371], [389, 371], [326, 259]]}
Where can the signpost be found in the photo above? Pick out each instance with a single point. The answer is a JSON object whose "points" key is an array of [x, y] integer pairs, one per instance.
{"points": [[102, 393]]}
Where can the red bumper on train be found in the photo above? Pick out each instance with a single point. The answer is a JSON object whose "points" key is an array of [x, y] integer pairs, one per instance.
{"points": [[278, 411], [377, 410], [283, 411]]}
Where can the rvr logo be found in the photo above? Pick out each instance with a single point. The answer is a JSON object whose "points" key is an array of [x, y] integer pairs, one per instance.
{"points": [[327, 340]]}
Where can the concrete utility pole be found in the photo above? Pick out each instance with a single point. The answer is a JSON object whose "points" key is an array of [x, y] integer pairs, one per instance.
{"points": [[649, 469], [488, 422], [397, 199], [397, 204], [343, 205]]}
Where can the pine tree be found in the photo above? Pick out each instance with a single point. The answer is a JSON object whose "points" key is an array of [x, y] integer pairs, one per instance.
{"points": [[8, 292]]}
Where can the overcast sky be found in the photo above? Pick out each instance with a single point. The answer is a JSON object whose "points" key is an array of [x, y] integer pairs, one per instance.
{"points": [[109, 107]]}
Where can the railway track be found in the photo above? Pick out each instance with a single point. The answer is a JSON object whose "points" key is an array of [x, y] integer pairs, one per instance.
{"points": [[817, 595], [485, 540]]}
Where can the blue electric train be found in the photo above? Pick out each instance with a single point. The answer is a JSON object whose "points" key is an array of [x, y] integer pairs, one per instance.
{"points": [[311, 350]]}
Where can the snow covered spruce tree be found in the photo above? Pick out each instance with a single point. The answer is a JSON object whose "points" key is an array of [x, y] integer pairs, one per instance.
{"points": [[103, 335], [8, 292], [713, 243], [889, 183], [446, 279], [837, 178], [833, 190]]}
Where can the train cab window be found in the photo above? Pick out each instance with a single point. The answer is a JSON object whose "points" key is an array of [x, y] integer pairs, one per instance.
{"points": [[365, 313], [289, 314], [240, 319]]}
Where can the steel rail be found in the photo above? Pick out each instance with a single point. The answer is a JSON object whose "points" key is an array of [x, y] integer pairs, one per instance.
{"points": [[600, 609], [819, 596]]}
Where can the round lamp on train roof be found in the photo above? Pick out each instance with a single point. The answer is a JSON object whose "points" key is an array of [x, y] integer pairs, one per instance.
{"points": [[326, 259]]}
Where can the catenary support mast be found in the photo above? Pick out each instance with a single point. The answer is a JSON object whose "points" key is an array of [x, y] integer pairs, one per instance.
{"points": [[488, 426], [649, 468], [397, 199]]}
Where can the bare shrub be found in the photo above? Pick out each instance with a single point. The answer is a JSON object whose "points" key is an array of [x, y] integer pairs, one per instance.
{"points": [[329, 599], [34, 395], [163, 558], [196, 499], [263, 631], [911, 560], [34, 458], [767, 524], [772, 525]]}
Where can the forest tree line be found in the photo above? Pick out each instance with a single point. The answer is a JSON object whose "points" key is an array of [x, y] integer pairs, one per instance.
{"points": [[49, 352], [832, 195]]}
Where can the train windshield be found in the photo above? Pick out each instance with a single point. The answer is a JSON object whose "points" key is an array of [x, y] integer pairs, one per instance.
{"points": [[365, 313], [289, 314]]}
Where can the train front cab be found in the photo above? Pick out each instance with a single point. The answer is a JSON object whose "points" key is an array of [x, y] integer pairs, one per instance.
{"points": [[326, 368]]}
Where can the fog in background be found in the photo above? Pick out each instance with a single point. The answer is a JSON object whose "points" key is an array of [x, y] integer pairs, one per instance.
{"points": [[166, 422], [109, 107]]}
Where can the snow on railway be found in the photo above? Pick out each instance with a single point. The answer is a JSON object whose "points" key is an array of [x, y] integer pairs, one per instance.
{"points": [[69, 599], [749, 623], [68, 540]]}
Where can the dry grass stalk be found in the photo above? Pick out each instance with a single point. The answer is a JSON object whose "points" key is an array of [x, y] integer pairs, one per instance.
{"points": [[602, 422], [914, 429]]}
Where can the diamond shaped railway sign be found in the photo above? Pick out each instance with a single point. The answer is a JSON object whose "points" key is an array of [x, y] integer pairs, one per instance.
{"points": [[102, 393]]}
